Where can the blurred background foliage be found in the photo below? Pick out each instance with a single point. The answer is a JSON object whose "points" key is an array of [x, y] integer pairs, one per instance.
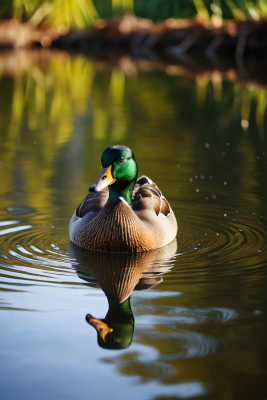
{"points": [[82, 13]]}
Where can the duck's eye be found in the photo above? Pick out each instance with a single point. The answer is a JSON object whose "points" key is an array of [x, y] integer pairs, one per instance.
{"points": [[121, 160]]}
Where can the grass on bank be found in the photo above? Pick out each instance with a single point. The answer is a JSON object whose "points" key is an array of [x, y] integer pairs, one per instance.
{"points": [[82, 13]]}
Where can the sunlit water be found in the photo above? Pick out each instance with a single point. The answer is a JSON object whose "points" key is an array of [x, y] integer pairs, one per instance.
{"points": [[200, 330]]}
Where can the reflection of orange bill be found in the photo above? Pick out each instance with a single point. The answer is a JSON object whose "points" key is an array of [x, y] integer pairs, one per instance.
{"points": [[101, 327], [105, 179]]}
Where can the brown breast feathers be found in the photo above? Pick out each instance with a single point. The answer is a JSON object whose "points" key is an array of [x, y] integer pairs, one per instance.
{"points": [[116, 228]]}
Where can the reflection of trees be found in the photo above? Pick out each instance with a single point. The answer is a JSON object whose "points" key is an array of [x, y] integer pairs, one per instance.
{"points": [[236, 117], [57, 117], [40, 113]]}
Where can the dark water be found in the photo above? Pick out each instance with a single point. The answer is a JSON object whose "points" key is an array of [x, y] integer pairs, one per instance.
{"points": [[200, 328]]}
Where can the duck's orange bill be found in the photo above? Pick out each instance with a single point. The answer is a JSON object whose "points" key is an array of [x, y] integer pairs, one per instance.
{"points": [[105, 179], [101, 327]]}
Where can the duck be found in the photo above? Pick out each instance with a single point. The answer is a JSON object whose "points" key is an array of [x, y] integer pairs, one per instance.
{"points": [[122, 213]]}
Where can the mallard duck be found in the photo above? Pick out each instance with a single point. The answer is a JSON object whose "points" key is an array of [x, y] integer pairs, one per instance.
{"points": [[121, 213]]}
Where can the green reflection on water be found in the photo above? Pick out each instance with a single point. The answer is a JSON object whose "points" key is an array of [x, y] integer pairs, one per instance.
{"points": [[203, 141], [44, 107]]}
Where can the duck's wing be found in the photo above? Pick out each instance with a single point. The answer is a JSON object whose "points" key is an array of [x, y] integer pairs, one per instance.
{"points": [[147, 196], [93, 202]]}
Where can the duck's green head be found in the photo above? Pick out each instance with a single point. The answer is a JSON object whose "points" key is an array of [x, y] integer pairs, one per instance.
{"points": [[119, 171]]}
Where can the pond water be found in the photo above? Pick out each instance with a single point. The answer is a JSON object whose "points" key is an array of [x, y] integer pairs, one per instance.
{"points": [[196, 323]]}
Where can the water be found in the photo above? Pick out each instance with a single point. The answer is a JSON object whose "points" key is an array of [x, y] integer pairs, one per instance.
{"points": [[199, 328]]}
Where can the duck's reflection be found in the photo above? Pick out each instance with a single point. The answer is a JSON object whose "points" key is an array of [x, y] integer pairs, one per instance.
{"points": [[116, 330], [118, 274]]}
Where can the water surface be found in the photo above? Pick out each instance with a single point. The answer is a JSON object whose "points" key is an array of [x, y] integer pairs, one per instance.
{"points": [[200, 327]]}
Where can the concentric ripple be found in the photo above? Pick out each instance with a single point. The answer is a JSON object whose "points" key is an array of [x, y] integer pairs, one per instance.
{"points": [[211, 243], [215, 243], [31, 254]]}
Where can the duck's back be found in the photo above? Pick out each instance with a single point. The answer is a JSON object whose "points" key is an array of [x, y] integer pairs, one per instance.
{"points": [[114, 226]]}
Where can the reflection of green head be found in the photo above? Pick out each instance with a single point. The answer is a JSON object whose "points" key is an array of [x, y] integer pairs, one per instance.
{"points": [[116, 330]]}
